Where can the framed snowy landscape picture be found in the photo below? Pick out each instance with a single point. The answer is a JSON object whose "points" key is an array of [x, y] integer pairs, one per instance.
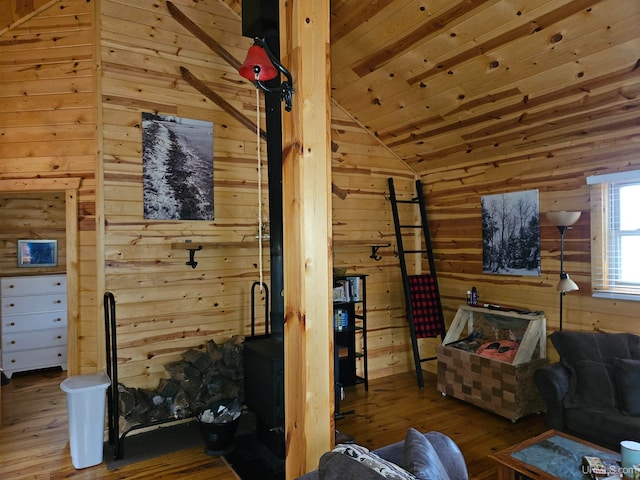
{"points": [[511, 233], [177, 159]]}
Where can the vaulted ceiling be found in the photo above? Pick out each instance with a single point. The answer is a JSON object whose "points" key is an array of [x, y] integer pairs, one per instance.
{"points": [[446, 83]]}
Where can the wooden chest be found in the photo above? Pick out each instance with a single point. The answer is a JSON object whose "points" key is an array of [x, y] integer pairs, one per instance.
{"points": [[506, 389]]}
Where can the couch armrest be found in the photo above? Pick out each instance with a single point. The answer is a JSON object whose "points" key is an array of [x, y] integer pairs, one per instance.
{"points": [[552, 381], [447, 450]]}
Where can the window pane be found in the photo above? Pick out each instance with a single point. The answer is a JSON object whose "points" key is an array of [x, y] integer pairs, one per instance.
{"points": [[615, 235], [630, 264], [629, 201]]}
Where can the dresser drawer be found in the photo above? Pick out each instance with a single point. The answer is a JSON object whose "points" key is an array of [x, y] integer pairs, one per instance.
{"points": [[41, 303], [39, 339], [28, 322], [32, 359], [33, 285]]}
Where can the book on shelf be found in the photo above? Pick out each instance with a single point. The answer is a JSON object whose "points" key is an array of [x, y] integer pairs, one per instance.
{"points": [[347, 289], [354, 289]]}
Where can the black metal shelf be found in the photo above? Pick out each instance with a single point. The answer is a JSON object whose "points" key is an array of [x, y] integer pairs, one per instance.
{"points": [[347, 347]]}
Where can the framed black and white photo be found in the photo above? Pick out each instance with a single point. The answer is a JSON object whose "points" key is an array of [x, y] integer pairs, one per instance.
{"points": [[511, 233], [177, 159], [37, 253]]}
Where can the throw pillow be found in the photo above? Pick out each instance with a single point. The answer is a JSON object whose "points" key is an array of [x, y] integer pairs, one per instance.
{"points": [[336, 466], [589, 357], [421, 459], [385, 468], [627, 373]]}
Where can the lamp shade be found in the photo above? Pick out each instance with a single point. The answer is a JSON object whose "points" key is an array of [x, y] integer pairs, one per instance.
{"points": [[563, 218], [257, 65], [566, 284]]}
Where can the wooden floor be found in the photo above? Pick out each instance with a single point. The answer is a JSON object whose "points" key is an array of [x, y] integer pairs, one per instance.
{"points": [[34, 431]]}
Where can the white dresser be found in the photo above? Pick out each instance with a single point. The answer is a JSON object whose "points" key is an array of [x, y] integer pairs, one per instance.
{"points": [[34, 322]]}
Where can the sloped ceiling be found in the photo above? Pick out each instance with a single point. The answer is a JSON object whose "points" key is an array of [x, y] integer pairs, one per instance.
{"points": [[441, 82], [446, 84]]}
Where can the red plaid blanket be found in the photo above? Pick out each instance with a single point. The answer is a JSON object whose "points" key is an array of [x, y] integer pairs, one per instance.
{"points": [[424, 302]]}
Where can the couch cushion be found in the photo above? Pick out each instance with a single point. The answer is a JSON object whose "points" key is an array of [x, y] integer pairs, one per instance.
{"points": [[627, 377], [421, 459], [383, 467], [336, 466], [607, 429], [590, 356]]}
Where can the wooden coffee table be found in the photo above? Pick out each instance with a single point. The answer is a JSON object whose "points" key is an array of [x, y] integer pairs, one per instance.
{"points": [[550, 455]]}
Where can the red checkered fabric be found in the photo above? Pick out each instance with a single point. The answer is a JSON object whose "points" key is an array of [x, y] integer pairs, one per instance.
{"points": [[427, 319]]}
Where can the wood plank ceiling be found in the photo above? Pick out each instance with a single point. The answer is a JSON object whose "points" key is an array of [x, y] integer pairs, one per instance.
{"points": [[448, 84], [444, 83]]}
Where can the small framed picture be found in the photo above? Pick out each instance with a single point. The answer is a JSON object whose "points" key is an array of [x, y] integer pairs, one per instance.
{"points": [[37, 253]]}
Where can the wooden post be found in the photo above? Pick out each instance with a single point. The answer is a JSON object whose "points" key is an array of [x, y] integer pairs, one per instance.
{"points": [[308, 331]]}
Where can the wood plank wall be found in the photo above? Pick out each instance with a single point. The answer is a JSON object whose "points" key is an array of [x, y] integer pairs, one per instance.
{"points": [[31, 216], [361, 167], [163, 306], [48, 130], [559, 173], [13, 12], [48, 126]]}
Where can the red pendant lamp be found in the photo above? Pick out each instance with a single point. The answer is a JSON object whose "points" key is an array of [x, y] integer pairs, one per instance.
{"points": [[257, 65]]}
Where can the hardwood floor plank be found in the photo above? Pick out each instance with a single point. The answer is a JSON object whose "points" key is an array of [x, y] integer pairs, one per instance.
{"points": [[34, 438]]}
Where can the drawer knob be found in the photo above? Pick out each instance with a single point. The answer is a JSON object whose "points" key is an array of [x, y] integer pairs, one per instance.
{"points": [[12, 304], [59, 354], [58, 284], [13, 360], [58, 301], [13, 342], [11, 286], [59, 337], [13, 324], [58, 319]]}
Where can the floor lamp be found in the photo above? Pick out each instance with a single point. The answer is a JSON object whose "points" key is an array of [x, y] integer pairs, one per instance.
{"points": [[563, 220]]}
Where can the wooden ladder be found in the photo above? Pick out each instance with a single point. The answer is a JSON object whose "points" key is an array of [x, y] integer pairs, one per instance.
{"points": [[412, 283]]}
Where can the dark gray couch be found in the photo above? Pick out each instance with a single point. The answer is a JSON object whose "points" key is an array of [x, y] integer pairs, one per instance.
{"points": [[441, 449], [593, 392]]}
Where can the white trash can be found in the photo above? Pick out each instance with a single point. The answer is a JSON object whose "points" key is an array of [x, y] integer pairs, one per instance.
{"points": [[85, 406]]}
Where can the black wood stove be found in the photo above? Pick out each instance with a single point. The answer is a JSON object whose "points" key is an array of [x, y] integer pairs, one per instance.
{"points": [[264, 355]]}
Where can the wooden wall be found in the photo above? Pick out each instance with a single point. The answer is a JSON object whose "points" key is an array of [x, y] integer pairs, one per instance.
{"points": [[163, 306], [48, 130], [51, 126], [559, 174], [48, 123], [361, 167], [32, 216]]}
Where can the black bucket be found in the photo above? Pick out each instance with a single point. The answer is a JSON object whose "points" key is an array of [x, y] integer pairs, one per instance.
{"points": [[218, 436]]}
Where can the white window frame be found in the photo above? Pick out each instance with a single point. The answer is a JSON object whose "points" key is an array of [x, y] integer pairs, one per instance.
{"points": [[605, 235]]}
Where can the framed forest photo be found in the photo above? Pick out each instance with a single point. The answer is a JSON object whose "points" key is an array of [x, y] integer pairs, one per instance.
{"points": [[511, 233]]}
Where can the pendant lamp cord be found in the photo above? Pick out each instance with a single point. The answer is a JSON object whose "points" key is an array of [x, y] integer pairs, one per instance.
{"points": [[258, 140]]}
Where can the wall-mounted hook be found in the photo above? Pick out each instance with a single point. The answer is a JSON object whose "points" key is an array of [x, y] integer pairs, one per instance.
{"points": [[192, 255], [374, 251]]}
